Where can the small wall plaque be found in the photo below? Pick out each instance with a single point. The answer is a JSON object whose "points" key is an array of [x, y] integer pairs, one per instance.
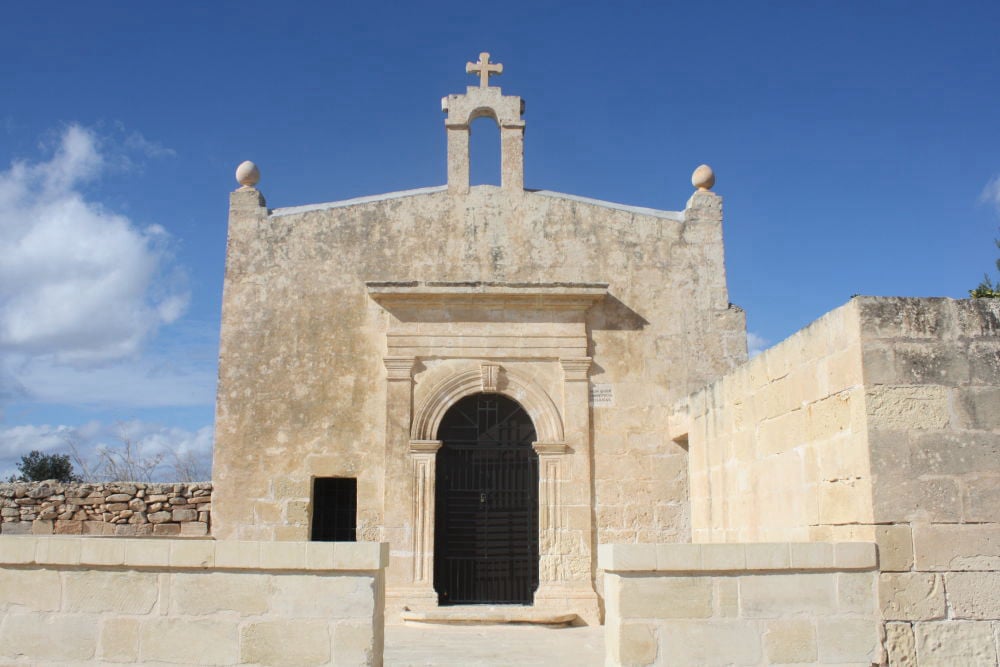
{"points": [[602, 395]]}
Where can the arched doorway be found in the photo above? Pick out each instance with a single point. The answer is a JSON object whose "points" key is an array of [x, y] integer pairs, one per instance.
{"points": [[486, 504]]}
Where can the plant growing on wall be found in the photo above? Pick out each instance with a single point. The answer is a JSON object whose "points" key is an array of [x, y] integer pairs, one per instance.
{"points": [[987, 289]]}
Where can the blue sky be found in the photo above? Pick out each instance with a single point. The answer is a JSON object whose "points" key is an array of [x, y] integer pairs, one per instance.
{"points": [[856, 144]]}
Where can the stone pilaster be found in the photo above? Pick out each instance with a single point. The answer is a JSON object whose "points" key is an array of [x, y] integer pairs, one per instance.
{"points": [[398, 498], [423, 454], [550, 511], [577, 496], [566, 541]]}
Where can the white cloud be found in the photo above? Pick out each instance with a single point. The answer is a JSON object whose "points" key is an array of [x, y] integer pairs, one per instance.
{"points": [[991, 193], [181, 453], [137, 142], [755, 344], [76, 280]]}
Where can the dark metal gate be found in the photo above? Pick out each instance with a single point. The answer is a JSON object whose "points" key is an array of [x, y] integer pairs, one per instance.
{"points": [[486, 525]]}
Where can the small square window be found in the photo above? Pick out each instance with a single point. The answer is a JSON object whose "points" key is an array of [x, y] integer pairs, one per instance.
{"points": [[335, 509]]}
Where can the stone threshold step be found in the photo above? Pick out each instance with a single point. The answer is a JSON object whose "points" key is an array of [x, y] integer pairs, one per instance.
{"points": [[487, 615]]}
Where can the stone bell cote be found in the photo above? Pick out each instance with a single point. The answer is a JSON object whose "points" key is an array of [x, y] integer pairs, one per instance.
{"points": [[479, 101]]}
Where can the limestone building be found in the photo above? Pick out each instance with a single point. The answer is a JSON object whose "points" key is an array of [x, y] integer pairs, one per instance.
{"points": [[479, 375]]}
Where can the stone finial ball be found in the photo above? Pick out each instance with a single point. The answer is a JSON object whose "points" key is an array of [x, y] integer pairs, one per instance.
{"points": [[703, 178], [247, 174]]}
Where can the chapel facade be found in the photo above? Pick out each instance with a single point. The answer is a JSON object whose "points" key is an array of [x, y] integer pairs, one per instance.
{"points": [[480, 376]]}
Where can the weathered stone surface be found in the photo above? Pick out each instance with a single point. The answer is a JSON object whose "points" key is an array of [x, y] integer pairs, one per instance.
{"points": [[847, 640], [184, 515], [952, 643], [895, 547], [355, 644], [666, 597], [973, 595], [956, 547], [119, 640], [36, 590], [900, 646], [294, 643], [101, 591], [711, 643], [311, 596], [200, 594], [894, 407], [911, 596], [188, 641], [790, 641], [53, 638], [784, 594]]}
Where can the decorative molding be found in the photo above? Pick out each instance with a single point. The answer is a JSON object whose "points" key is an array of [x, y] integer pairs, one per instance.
{"points": [[488, 295], [491, 373], [539, 406], [550, 448], [575, 369], [399, 368], [424, 446]]}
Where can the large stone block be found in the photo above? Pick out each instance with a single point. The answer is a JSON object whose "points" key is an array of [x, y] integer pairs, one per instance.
{"points": [[775, 596], [355, 644], [984, 357], [714, 643], [856, 592], [633, 644], [895, 547], [790, 640], [911, 596], [666, 597], [944, 363], [981, 499], [202, 641], [977, 408], [311, 595], [34, 589], [48, 638], [196, 594], [956, 547], [973, 595], [953, 643], [977, 318], [285, 643], [123, 591], [119, 640], [899, 317], [847, 640], [895, 407]]}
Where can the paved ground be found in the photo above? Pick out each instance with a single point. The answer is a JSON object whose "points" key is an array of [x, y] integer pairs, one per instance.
{"points": [[422, 644]]}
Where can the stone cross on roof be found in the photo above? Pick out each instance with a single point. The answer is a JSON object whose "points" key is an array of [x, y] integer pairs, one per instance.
{"points": [[484, 69]]}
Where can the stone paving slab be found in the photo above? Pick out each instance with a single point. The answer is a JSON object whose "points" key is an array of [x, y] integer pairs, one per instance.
{"points": [[420, 644]]}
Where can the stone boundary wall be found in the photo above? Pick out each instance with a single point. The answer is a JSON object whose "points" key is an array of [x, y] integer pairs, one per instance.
{"points": [[740, 604], [113, 508], [778, 448], [90, 600], [932, 381], [939, 593]]}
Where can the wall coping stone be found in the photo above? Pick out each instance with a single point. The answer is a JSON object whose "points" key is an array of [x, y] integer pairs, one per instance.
{"points": [[737, 558], [192, 554]]}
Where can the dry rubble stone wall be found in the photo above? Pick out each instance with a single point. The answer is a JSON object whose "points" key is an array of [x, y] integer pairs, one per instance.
{"points": [[113, 508]]}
